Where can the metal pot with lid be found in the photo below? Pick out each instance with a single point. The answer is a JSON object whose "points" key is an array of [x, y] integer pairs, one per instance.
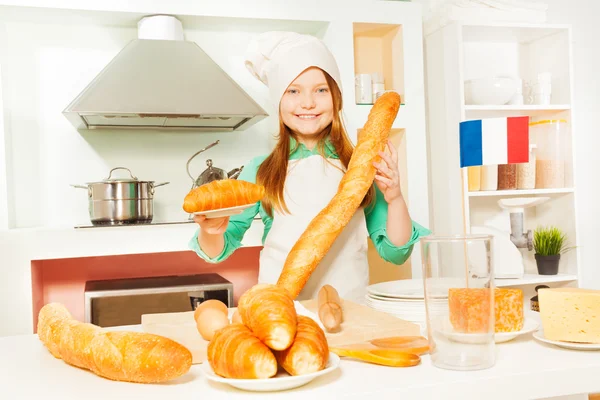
{"points": [[119, 201]]}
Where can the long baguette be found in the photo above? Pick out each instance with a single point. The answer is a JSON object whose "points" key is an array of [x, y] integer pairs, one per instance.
{"points": [[116, 355], [322, 231]]}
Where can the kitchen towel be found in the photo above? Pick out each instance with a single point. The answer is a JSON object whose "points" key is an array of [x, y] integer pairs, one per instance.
{"points": [[493, 141]]}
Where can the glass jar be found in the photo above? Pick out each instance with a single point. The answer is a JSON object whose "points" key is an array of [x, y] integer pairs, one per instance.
{"points": [[526, 171], [550, 137], [474, 175], [507, 176], [489, 177], [459, 300]]}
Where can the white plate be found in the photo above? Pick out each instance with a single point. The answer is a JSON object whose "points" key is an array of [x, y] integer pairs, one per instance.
{"points": [[412, 288], [281, 381], [224, 212], [529, 325], [539, 335]]}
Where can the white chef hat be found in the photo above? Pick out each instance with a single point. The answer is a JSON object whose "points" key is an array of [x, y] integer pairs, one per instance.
{"points": [[276, 58]]}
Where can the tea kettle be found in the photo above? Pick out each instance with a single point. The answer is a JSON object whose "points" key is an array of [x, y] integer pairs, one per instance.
{"points": [[211, 173]]}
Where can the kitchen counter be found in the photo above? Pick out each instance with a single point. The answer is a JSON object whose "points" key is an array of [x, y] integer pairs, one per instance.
{"points": [[525, 369]]}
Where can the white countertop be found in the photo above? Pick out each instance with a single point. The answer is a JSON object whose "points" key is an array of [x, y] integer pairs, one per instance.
{"points": [[525, 369]]}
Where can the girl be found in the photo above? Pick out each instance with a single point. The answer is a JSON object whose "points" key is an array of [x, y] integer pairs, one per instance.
{"points": [[302, 173]]}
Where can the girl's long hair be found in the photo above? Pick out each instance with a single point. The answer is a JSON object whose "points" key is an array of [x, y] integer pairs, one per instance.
{"points": [[272, 172]]}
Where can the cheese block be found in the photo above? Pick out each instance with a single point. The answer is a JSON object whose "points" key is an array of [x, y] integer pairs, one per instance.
{"points": [[570, 314], [470, 309]]}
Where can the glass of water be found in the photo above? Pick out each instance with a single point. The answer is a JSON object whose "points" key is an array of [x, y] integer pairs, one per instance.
{"points": [[459, 300]]}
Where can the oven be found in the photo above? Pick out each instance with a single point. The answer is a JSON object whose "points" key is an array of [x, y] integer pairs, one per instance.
{"points": [[116, 302]]}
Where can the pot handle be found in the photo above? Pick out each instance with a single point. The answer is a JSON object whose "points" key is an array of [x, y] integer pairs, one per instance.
{"points": [[111, 171], [187, 166], [161, 184], [78, 186]]}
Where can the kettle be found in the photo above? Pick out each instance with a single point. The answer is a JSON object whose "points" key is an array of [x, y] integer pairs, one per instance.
{"points": [[211, 173]]}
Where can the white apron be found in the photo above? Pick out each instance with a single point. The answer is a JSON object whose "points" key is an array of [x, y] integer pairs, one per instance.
{"points": [[310, 184]]}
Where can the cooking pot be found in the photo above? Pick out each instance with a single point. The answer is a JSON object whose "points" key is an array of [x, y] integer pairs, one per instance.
{"points": [[119, 201]]}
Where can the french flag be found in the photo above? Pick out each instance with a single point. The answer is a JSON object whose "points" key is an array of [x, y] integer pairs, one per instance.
{"points": [[494, 141]]}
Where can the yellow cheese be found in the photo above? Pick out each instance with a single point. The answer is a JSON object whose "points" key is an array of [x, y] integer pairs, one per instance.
{"points": [[570, 314]]}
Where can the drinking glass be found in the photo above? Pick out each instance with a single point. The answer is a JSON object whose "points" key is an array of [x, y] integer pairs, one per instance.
{"points": [[459, 300]]}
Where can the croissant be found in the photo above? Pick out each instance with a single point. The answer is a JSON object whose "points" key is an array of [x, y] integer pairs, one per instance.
{"points": [[308, 353], [322, 231], [235, 352], [269, 312], [223, 193], [116, 355]]}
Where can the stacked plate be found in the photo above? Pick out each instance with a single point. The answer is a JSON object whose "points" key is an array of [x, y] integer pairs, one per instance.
{"points": [[404, 299]]}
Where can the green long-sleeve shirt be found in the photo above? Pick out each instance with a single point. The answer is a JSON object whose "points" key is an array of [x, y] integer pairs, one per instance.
{"points": [[376, 217]]}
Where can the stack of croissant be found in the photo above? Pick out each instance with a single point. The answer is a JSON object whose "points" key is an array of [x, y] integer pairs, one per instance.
{"points": [[268, 334]]}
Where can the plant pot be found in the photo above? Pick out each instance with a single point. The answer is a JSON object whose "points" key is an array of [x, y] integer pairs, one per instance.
{"points": [[547, 265]]}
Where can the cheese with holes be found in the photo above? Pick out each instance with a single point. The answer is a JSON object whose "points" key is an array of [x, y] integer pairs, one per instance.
{"points": [[470, 309], [570, 314]]}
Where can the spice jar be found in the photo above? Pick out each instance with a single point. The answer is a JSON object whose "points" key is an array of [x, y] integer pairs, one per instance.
{"points": [[489, 177], [526, 171], [474, 175], [507, 176], [550, 137]]}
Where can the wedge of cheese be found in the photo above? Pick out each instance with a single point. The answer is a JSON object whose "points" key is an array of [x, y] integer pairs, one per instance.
{"points": [[470, 309], [570, 314]]}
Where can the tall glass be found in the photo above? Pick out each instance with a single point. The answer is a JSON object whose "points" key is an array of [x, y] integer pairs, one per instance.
{"points": [[459, 300]]}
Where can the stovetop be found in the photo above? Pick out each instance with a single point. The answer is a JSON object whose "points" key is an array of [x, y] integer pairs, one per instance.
{"points": [[153, 223]]}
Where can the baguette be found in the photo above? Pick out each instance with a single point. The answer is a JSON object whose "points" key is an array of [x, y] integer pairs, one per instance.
{"points": [[235, 352], [322, 231], [270, 314], [330, 308], [308, 353], [120, 356], [223, 193]]}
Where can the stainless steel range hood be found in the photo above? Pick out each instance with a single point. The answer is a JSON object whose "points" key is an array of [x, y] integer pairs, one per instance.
{"points": [[166, 84]]}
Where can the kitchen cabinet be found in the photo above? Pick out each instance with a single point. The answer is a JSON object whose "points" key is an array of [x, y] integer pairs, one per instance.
{"points": [[463, 51]]}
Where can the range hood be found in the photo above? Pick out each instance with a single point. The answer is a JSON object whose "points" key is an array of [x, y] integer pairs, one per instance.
{"points": [[160, 81]]}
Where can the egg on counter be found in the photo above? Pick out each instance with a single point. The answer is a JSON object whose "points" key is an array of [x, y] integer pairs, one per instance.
{"points": [[212, 304], [209, 321]]}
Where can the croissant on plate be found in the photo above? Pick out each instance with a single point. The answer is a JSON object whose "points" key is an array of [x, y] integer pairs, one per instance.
{"points": [[235, 352], [269, 312], [308, 353], [223, 193]]}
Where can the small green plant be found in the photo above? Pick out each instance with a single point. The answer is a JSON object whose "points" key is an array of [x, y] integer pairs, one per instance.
{"points": [[549, 241]]}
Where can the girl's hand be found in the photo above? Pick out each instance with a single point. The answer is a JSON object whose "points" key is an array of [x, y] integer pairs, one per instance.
{"points": [[387, 175], [212, 226]]}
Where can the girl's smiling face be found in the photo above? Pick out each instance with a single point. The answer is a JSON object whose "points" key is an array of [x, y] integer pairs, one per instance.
{"points": [[306, 107]]}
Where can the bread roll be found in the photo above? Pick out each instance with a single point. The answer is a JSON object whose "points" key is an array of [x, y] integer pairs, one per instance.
{"points": [[322, 231], [235, 352], [269, 312], [308, 353], [120, 356], [330, 308], [222, 193]]}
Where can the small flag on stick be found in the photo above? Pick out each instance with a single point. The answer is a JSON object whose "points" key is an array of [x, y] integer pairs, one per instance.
{"points": [[494, 141]]}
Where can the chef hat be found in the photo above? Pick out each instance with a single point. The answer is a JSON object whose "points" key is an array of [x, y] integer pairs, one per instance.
{"points": [[276, 58]]}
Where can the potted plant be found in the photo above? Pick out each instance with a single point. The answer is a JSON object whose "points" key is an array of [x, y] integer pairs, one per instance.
{"points": [[549, 243]]}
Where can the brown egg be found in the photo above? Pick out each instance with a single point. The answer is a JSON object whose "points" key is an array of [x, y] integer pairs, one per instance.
{"points": [[209, 321], [236, 318], [211, 303]]}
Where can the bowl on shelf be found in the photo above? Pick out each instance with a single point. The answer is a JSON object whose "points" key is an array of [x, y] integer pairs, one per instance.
{"points": [[496, 90]]}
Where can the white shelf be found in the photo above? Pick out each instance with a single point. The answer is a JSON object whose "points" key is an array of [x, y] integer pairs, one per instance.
{"points": [[492, 193], [534, 279], [524, 107], [509, 32]]}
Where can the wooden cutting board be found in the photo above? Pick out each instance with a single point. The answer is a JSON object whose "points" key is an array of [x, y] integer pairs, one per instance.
{"points": [[361, 323]]}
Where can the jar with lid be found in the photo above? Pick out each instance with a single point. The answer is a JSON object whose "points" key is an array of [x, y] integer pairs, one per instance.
{"points": [[474, 178], [507, 176], [489, 177], [526, 171], [550, 137]]}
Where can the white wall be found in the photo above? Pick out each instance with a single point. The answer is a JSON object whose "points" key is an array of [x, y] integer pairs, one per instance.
{"points": [[582, 15]]}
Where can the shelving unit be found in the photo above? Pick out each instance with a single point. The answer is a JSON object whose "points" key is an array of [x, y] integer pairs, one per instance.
{"points": [[459, 52]]}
